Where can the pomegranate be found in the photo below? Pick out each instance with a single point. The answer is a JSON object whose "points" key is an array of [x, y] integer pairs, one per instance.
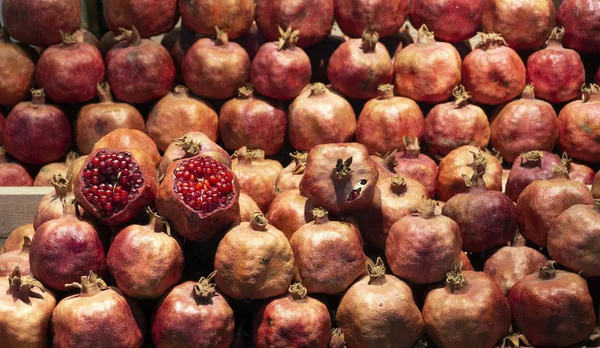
{"points": [[383, 122], [527, 168], [466, 160], [203, 16], [256, 270], [130, 139], [252, 121], [581, 173], [280, 70], [139, 70], [328, 255], [417, 69], [83, 35], [579, 134], [151, 18], [74, 324], [442, 17], [385, 163], [108, 41], [295, 320], [359, 66], [47, 172], [395, 196], [52, 205], [451, 125], [337, 338], [320, 116], [17, 258], [192, 144], [17, 63], [581, 20], [340, 177], [247, 207], [16, 238], [544, 306], [383, 17], [194, 314], [24, 311], [595, 186], [290, 176], [422, 248], [469, 311], [256, 175], [251, 41], [493, 72], [415, 165], [465, 263], [36, 132], [178, 42], [39, 23], [13, 174], [376, 299], [290, 211], [314, 18], [540, 203], [178, 113]]}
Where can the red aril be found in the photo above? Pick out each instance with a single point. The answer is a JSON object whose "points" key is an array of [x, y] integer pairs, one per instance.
{"points": [[130, 139], [382, 16], [256, 175], [415, 165], [17, 63], [290, 176], [190, 145], [203, 16], [47, 172], [17, 258], [527, 168], [13, 174], [289, 211], [16, 238], [150, 17], [441, 16], [581, 20]]}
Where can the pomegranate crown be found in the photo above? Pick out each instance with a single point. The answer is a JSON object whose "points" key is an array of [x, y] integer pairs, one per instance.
{"points": [[246, 91], [68, 38], [205, 288], [557, 34], [547, 271], [342, 168], [425, 35], [491, 40], [300, 157], [426, 208], [531, 156], [461, 96], [375, 270], [222, 39], [369, 40], [90, 285], [454, 278], [288, 38], [297, 291], [515, 339], [17, 281], [589, 92], [60, 184]]}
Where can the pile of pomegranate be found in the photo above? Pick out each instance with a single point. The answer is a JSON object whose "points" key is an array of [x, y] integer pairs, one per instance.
{"points": [[430, 178]]}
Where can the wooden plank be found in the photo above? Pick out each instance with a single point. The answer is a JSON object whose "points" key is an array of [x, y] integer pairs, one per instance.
{"points": [[18, 206]]}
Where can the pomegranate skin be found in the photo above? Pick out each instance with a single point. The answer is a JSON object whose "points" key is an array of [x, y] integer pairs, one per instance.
{"points": [[177, 42], [247, 207], [150, 17], [39, 23], [415, 165], [581, 173], [581, 20], [12, 259], [256, 175], [381, 16], [249, 120], [596, 186], [441, 17], [130, 139], [252, 41], [139, 70], [524, 125], [52, 206], [13, 174], [17, 66], [108, 41], [76, 81], [544, 305], [16, 238], [215, 69], [86, 36], [35, 132], [47, 172], [232, 16], [290, 211], [527, 168], [290, 176]]}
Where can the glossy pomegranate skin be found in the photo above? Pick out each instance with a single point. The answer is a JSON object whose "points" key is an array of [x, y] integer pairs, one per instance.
{"points": [[232, 16], [441, 17], [150, 17], [581, 19], [15, 239], [384, 17], [578, 134], [256, 176], [525, 171], [13, 174], [17, 64], [130, 139], [192, 144], [289, 211], [417, 166]]}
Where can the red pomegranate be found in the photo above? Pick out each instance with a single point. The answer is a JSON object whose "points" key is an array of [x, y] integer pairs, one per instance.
{"points": [[381, 16], [320, 116], [596, 186], [249, 120], [417, 69], [340, 177], [17, 63], [579, 134], [280, 70], [422, 248], [443, 15], [470, 311], [16, 238], [524, 125], [314, 18], [256, 175], [194, 314], [415, 165], [17, 258], [36, 132], [150, 17], [199, 196], [465, 161], [19, 299], [359, 66], [527, 168], [178, 42], [290, 211], [47, 172], [256, 270], [74, 324], [190, 145], [581, 20], [581, 173], [385, 120], [337, 338], [139, 70], [52, 205], [295, 320], [544, 305], [493, 72], [251, 41], [13, 174], [39, 23], [215, 69], [108, 41], [385, 163], [376, 299], [290, 176], [247, 207], [179, 113], [130, 139], [451, 125], [204, 16], [83, 35]]}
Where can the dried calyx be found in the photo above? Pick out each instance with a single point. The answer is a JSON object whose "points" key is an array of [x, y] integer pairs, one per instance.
{"points": [[132, 36], [491, 40], [369, 41], [590, 92], [320, 215], [528, 92], [547, 271], [461, 96], [246, 155], [475, 180], [424, 35], [561, 171], [259, 222], [90, 285], [205, 288], [386, 91], [103, 91], [455, 279], [411, 147], [68, 38], [288, 38], [556, 37], [399, 184], [479, 162], [515, 340], [342, 168], [297, 291], [518, 240], [300, 158], [317, 88], [61, 185], [22, 285], [187, 144], [426, 209], [38, 96], [221, 38], [375, 270], [159, 223], [246, 91], [532, 159]]}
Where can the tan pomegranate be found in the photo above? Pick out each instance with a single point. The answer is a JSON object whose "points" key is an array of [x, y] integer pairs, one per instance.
{"points": [[290, 211], [256, 175], [16, 238], [290, 176]]}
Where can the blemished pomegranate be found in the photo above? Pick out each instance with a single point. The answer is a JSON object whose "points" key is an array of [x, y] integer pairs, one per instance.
{"points": [[340, 177], [581, 173], [295, 320], [465, 161], [203, 16], [422, 248], [382, 16], [47, 172], [36, 132], [451, 125], [17, 258], [74, 324], [190, 145], [257, 270], [385, 120], [256, 175], [139, 70], [524, 125], [417, 68], [289, 211], [13, 174], [52, 205], [280, 70], [441, 16], [314, 18], [39, 23], [470, 311], [544, 305], [16, 238], [179, 113], [375, 299], [130, 139], [17, 63], [581, 21], [22, 296], [247, 207], [359, 66], [249, 120], [493, 73], [195, 314], [151, 18], [320, 116], [527, 168], [290, 176], [579, 135], [413, 164]]}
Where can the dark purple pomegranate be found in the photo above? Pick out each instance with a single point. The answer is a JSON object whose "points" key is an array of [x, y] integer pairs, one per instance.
{"points": [[581, 20], [150, 17], [527, 168]]}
